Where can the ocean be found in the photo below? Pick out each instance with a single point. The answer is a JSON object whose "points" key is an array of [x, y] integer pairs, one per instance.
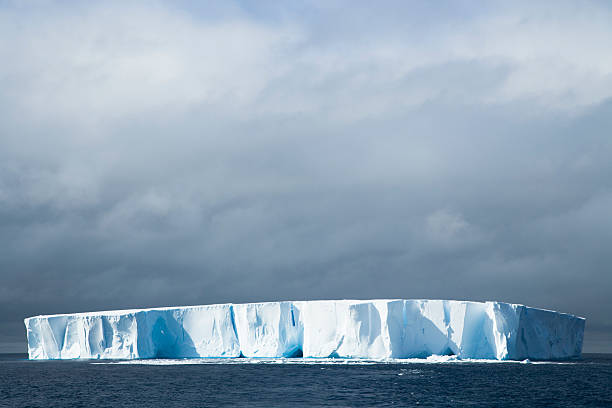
{"points": [[297, 383]]}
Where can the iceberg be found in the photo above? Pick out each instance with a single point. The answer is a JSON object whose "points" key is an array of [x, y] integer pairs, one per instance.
{"points": [[354, 329]]}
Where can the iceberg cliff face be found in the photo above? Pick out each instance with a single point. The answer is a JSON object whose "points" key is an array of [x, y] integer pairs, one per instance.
{"points": [[372, 329]]}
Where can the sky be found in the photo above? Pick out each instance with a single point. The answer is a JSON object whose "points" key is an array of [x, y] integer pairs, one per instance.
{"points": [[180, 153]]}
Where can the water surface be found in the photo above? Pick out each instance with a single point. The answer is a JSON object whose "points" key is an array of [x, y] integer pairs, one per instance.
{"points": [[278, 382]]}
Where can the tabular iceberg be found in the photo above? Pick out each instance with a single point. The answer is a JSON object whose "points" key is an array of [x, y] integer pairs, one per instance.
{"points": [[367, 329]]}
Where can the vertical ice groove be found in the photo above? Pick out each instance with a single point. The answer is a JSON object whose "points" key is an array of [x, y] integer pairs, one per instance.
{"points": [[65, 342], [292, 316], [233, 320]]}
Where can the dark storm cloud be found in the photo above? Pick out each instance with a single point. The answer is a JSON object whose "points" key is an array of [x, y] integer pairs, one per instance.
{"points": [[155, 155]]}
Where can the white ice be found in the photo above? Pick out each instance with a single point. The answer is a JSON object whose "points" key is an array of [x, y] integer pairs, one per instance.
{"points": [[343, 329]]}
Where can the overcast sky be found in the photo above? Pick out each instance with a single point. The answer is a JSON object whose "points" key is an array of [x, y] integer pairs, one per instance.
{"points": [[185, 153]]}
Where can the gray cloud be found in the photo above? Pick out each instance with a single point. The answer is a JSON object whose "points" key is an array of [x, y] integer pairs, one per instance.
{"points": [[162, 155]]}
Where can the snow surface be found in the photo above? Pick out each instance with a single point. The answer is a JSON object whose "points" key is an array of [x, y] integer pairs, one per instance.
{"points": [[346, 329]]}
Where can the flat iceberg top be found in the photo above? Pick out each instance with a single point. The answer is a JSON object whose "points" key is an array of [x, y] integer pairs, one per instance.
{"points": [[127, 311], [362, 329]]}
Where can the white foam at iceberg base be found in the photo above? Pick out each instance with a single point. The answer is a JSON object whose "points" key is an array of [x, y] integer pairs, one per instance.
{"points": [[434, 359], [349, 329]]}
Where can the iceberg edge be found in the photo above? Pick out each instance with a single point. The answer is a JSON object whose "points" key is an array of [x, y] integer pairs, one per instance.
{"points": [[353, 329]]}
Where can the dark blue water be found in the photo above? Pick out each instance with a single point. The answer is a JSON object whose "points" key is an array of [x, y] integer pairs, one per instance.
{"points": [[23, 383]]}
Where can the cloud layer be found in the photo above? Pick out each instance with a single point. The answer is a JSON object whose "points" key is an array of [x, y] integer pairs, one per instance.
{"points": [[156, 154]]}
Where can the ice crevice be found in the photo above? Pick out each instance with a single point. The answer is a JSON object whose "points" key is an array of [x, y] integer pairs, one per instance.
{"points": [[353, 329]]}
